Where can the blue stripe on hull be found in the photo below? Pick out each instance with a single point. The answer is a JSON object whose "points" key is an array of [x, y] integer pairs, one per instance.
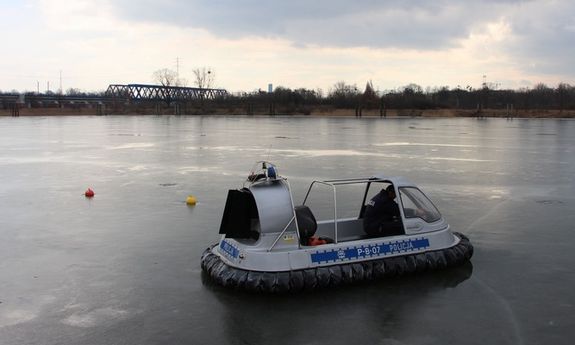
{"points": [[229, 250], [369, 251]]}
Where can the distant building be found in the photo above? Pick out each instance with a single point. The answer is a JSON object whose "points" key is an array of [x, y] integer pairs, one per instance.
{"points": [[270, 88]]}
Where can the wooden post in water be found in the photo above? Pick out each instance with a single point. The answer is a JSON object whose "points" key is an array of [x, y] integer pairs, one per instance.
{"points": [[358, 111], [272, 108], [383, 110], [14, 109]]}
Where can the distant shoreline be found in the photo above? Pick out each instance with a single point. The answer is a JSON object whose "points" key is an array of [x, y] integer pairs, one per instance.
{"points": [[371, 113]]}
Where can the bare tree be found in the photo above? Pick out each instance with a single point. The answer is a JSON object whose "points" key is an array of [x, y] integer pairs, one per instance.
{"points": [[204, 78], [412, 88], [74, 92], [343, 95], [168, 77], [343, 90]]}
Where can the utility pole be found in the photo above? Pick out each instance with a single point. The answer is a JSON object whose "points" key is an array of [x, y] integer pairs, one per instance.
{"points": [[61, 91], [37, 86]]}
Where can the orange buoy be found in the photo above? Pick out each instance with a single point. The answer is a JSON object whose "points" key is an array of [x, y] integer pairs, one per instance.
{"points": [[89, 193]]}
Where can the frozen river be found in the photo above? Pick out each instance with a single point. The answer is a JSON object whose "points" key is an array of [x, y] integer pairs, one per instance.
{"points": [[124, 267]]}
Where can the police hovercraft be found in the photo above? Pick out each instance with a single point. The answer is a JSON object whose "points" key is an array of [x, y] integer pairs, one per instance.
{"points": [[270, 245]]}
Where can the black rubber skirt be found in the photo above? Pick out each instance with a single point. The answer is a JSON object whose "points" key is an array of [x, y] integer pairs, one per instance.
{"points": [[335, 275]]}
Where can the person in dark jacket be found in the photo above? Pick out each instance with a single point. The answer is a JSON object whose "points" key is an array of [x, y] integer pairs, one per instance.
{"points": [[382, 217]]}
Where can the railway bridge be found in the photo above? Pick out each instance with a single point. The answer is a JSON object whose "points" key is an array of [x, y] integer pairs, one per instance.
{"points": [[168, 94]]}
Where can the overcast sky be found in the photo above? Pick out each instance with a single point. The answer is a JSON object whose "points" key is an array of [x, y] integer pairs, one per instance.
{"points": [[296, 43]]}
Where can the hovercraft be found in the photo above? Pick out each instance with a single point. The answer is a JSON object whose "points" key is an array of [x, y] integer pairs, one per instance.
{"points": [[270, 245]]}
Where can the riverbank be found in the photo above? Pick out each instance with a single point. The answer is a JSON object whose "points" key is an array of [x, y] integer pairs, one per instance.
{"points": [[319, 111]]}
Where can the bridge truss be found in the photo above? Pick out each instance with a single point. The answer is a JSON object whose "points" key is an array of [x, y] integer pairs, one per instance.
{"points": [[141, 92]]}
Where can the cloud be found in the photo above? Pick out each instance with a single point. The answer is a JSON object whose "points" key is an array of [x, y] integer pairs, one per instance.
{"points": [[415, 24], [290, 43], [539, 35], [543, 37]]}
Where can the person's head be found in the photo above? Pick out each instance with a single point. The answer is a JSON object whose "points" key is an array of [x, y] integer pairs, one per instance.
{"points": [[390, 191]]}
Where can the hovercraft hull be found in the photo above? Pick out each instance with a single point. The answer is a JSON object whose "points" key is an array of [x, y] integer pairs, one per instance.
{"points": [[331, 275]]}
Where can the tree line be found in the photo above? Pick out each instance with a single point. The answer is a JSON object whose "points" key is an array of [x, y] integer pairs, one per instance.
{"points": [[345, 96], [413, 96]]}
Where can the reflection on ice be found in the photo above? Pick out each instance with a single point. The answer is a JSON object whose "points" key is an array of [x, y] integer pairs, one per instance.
{"points": [[95, 317], [423, 144], [453, 159], [335, 153], [131, 146], [193, 169], [23, 310], [14, 317], [329, 153], [137, 168]]}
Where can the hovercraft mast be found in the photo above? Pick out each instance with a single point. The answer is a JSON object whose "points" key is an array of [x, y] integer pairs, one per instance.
{"points": [[262, 171]]}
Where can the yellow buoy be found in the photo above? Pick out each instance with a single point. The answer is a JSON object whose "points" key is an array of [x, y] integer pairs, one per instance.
{"points": [[191, 200]]}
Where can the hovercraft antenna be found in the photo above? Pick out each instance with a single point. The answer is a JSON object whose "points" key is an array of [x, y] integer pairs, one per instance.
{"points": [[269, 153]]}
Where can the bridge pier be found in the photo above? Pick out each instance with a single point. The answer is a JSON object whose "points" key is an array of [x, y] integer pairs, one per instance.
{"points": [[101, 109]]}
